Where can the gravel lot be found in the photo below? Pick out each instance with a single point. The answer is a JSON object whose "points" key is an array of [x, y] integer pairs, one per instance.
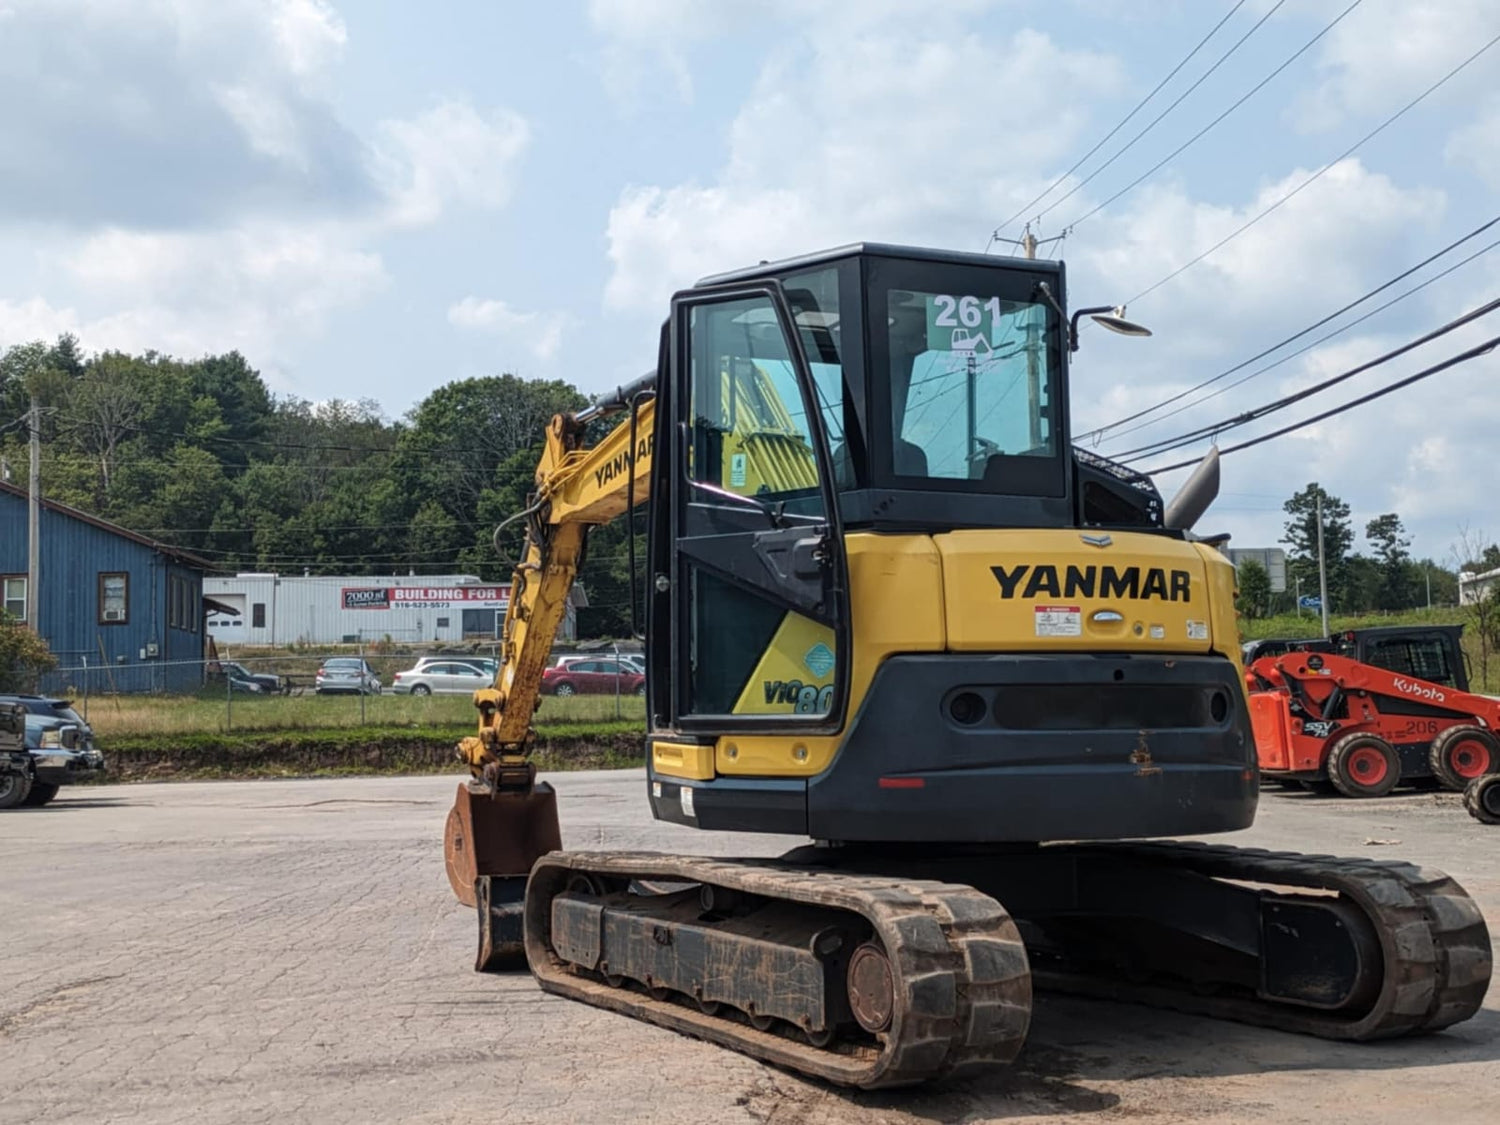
{"points": [[289, 951]]}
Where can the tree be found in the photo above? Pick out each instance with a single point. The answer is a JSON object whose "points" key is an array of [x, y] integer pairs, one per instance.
{"points": [[107, 406], [1301, 539], [23, 656], [1255, 590], [1388, 537]]}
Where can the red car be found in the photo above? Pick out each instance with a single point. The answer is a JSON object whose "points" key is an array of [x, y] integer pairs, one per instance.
{"points": [[593, 676]]}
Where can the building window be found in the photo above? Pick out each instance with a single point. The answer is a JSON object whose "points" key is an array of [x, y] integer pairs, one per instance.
{"points": [[443, 622], [258, 615], [14, 589], [114, 592], [180, 608]]}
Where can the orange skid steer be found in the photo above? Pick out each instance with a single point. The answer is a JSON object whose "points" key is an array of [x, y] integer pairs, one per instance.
{"points": [[1323, 717]]}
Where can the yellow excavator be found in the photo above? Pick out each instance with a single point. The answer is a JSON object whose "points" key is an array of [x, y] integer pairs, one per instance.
{"points": [[889, 608]]}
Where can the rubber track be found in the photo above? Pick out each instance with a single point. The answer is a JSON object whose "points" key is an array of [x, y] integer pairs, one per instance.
{"points": [[963, 984], [1435, 945]]}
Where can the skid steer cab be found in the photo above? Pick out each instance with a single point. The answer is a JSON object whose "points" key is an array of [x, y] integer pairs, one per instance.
{"points": [[1369, 709]]}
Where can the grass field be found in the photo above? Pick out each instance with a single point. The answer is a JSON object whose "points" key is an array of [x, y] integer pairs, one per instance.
{"points": [[147, 715]]}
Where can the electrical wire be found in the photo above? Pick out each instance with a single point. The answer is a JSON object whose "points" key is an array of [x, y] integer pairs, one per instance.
{"points": [[1376, 311], [1463, 357], [1391, 120], [1143, 177], [1140, 105], [1131, 143], [1244, 418], [1096, 434]]}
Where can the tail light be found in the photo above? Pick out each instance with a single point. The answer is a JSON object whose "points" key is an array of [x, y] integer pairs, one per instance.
{"points": [[52, 740]]}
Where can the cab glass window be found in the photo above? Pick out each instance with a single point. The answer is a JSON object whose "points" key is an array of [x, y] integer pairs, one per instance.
{"points": [[750, 432]]}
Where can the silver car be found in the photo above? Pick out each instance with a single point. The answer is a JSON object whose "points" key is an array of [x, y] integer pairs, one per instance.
{"points": [[346, 673], [443, 676]]}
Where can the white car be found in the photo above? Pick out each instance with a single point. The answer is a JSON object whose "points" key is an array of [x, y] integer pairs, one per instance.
{"points": [[441, 675]]}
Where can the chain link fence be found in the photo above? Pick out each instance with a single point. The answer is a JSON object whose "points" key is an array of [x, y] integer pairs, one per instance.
{"points": [[349, 686]]}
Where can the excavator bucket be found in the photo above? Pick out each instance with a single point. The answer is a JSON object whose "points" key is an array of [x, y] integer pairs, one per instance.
{"points": [[501, 835]]}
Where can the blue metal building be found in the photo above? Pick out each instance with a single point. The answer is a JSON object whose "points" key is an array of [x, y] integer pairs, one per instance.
{"points": [[127, 608]]}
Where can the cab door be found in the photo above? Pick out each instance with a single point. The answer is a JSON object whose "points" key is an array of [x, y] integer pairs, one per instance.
{"points": [[748, 565]]}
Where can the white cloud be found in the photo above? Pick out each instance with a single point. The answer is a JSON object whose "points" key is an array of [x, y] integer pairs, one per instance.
{"points": [[311, 34], [1388, 51], [913, 134], [1476, 145], [541, 333], [451, 154], [644, 39], [188, 185]]}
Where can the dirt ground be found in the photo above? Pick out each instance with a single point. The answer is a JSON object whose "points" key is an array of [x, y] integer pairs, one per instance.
{"points": [[289, 951]]}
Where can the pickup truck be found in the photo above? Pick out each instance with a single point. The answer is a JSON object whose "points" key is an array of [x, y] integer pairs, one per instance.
{"points": [[58, 743]]}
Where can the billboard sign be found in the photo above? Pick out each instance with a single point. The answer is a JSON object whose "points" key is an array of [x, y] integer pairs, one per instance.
{"points": [[424, 597], [366, 597], [1272, 558]]}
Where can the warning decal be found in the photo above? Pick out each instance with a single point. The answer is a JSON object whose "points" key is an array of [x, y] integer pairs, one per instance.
{"points": [[1059, 621]]}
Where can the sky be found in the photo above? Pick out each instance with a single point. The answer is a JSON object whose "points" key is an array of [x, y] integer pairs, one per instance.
{"points": [[371, 199]]}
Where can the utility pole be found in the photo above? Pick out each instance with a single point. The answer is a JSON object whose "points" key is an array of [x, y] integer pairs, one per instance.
{"points": [[34, 523], [1033, 359], [1322, 569], [1428, 571]]}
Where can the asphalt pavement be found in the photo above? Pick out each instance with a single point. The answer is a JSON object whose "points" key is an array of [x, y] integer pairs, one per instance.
{"points": [[289, 951]]}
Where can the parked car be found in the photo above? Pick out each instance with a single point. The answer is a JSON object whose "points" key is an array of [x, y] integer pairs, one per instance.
{"points": [[443, 676], [346, 674], [253, 683], [59, 744], [593, 676]]}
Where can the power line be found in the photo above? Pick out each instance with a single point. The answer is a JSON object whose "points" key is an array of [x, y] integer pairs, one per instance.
{"points": [[1319, 173], [1195, 137], [1168, 444], [1463, 357], [1140, 105], [1376, 311], [1157, 119], [1096, 434]]}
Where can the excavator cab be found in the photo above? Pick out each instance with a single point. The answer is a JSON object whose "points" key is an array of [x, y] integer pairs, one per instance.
{"points": [[888, 600]]}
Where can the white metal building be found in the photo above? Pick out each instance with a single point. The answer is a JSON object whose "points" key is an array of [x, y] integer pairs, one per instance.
{"points": [[1474, 587], [278, 609]]}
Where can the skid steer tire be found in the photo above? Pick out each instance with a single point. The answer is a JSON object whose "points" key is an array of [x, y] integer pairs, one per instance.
{"points": [[1461, 754], [1482, 798], [1363, 765]]}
